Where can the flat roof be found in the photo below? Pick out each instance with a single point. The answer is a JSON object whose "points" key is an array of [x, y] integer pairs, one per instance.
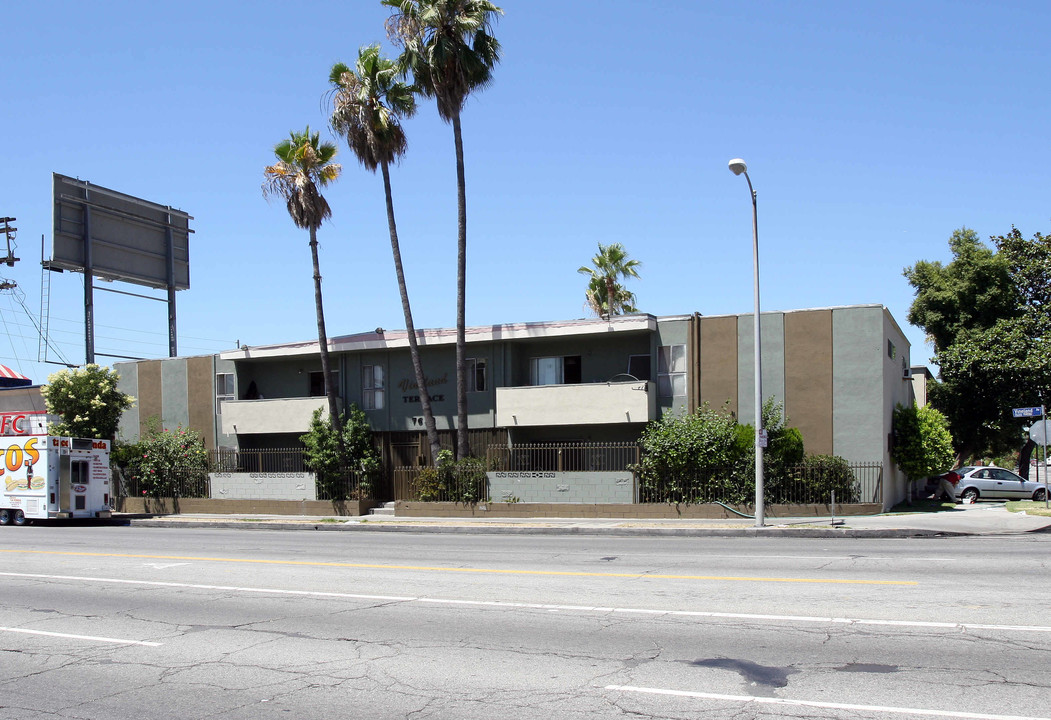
{"points": [[380, 339]]}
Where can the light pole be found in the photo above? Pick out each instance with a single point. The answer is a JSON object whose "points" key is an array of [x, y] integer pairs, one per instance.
{"points": [[738, 166]]}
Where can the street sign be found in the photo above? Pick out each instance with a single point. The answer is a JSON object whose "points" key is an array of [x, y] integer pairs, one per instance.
{"points": [[1026, 412], [1037, 433]]}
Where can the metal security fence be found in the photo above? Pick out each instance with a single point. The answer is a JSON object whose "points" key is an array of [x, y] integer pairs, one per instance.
{"points": [[809, 484], [176, 483], [267, 460], [563, 457], [350, 486], [428, 484]]}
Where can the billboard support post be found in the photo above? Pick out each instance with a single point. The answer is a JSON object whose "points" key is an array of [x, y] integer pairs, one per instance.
{"points": [[89, 295], [173, 350]]}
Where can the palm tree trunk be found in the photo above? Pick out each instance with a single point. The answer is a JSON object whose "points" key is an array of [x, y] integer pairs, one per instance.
{"points": [[414, 350], [322, 338], [463, 448]]}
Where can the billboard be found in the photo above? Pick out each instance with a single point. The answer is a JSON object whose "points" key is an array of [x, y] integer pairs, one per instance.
{"points": [[116, 236]]}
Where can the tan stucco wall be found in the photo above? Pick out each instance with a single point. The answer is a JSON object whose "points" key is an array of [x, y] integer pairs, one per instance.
{"points": [[719, 361], [201, 398], [149, 393], [808, 378]]}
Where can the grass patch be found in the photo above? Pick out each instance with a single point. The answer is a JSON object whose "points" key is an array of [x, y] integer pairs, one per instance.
{"points": [[330, 520], [1029, 507], [921, 506]]}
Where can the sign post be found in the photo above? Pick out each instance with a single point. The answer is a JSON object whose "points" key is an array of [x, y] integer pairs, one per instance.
{"points": [[1038, 433]]}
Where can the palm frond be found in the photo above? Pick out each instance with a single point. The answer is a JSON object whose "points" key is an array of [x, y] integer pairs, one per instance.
{"points": [[304, 162]]}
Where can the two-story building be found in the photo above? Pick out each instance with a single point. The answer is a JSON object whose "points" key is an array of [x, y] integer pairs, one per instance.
{"points": [[839, 372]]}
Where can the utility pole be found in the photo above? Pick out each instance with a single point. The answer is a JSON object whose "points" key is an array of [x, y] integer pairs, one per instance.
{"points": [[9, 235]]}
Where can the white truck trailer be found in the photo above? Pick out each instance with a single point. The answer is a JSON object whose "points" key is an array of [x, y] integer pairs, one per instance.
{"points": [[47, 477]]}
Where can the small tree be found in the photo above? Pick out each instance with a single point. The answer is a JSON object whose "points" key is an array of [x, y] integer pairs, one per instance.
{"points": [[88, 401], [323, 455], [922, 442]]}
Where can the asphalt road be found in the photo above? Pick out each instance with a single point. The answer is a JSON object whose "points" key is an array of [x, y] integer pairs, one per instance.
{"points": [[125, 622]]}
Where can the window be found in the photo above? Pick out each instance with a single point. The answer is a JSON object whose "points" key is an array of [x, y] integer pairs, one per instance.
{"points": [[224, 390], [892, 352], [317, 382], [79, 472], [671, 371], [372, 387], [639, 366], [476, 375], [555, 370]]}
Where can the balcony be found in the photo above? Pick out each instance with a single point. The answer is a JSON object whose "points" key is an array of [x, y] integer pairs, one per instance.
{"points": [[282, 415], [585, 404]]}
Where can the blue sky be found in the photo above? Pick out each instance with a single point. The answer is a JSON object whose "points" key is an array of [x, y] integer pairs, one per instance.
{"points": [[871, 130]]}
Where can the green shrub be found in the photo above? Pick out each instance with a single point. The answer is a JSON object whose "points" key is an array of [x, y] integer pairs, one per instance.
{"points": [[462, 481], [690, 458], [821, 475], [166, 463]]}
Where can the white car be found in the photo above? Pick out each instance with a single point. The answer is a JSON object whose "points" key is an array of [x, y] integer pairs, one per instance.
{"points": [[971, 483]]}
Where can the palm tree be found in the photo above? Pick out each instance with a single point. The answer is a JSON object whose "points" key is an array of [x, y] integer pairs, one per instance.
{"points": [[448, 47], [303, 164], [368, 103], [605, 295]]}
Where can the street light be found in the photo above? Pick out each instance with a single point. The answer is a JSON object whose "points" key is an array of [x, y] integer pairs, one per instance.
{"points": [[738, 166]]}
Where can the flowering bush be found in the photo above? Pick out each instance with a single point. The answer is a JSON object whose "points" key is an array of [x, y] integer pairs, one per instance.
{"points": [[88, 401], [171, 461]]}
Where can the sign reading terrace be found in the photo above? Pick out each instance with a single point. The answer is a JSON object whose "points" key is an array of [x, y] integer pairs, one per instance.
{"points": [[1027, 412]]}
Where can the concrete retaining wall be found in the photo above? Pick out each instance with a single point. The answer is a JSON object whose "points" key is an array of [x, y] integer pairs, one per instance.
{"points": [[166, 506], [263, 486], [404, 508], [562, 487]]}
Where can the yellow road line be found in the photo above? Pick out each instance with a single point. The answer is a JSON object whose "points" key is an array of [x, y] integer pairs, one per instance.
{"points": [[493, 571]]}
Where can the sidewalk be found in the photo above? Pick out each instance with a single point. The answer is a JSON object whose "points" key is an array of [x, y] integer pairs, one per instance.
{"points": [[977, 519]]}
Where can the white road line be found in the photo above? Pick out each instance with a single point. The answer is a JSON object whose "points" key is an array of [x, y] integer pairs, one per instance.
{"points": [[94, 638], [883, 709], [548, 606]]}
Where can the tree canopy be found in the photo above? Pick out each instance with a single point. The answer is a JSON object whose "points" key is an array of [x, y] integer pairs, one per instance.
{"points": [[88, 401], [605, 294], [988, 314], [922, 441]]}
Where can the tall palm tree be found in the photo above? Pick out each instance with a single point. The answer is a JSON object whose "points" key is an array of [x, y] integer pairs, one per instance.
{"points": [[605, 294], [368, 103], [449, 48], [303, 164]]}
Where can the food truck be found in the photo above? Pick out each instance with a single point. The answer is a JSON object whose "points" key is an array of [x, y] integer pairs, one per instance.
{"points": [[46, 477]]}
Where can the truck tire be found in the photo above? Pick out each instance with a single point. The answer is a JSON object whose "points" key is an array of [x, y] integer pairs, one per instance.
{"points": [[19, 518], [5, 516]]}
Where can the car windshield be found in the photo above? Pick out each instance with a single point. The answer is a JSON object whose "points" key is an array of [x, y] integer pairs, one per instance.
{"points": [[965, 470]]}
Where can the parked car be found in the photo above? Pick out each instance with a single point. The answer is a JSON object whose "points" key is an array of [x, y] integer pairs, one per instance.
{"points": [[990, 483]]}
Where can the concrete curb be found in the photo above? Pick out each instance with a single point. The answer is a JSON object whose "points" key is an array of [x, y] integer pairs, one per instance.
{"points": [[420, 527]]}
